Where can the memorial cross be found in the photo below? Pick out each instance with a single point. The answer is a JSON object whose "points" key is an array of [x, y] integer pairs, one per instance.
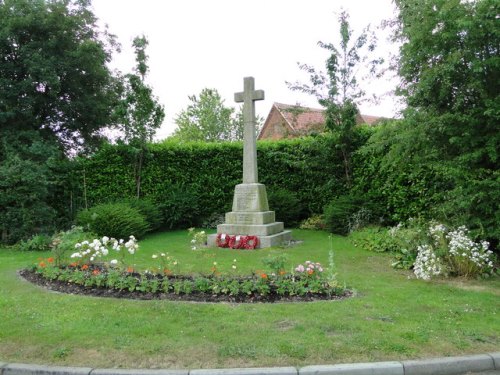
{"points": [[248, 98]]}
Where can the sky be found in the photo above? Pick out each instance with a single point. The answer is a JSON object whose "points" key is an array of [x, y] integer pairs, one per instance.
{"points": [[197, 44]]}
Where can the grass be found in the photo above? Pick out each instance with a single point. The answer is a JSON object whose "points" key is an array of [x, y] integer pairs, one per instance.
{"points": [[393, 316]]}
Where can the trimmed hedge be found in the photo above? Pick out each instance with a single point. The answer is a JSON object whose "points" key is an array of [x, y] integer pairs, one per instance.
{"points": [[192, 182]]}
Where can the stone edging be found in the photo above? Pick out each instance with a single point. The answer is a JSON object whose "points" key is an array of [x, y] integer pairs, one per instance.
{"points": [[435, 366]]}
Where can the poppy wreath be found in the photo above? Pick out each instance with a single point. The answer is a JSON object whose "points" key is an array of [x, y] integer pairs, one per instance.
{"points": [[236, 242], [250, 242], [223, 240]]}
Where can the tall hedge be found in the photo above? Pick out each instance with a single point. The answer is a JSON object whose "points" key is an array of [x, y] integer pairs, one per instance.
{"points": [[196, 180]]}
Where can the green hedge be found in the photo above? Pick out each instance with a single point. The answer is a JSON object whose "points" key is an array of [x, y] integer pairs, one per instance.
{"points": [[192, 182]]}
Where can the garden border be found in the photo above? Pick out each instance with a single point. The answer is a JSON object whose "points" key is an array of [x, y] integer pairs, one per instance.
{"points": [[433, 366]]}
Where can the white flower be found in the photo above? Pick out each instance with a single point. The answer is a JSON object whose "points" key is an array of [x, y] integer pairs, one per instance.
{"points": [[154, 256], [104, 251], [234, 267], [113, 262], [105, 240]]}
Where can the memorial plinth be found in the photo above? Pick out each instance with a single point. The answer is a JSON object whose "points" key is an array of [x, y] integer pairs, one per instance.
{"points": [[250, 215]]}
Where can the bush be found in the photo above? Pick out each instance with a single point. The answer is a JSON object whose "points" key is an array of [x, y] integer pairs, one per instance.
{"points": [[181, 208], [315, 222], [39, 242], [348, 213], [287, 206], [117, 220], [65, 241], [149, 210]]}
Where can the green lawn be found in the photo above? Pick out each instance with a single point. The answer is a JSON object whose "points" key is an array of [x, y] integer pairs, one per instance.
{"points": [[393, 316]]}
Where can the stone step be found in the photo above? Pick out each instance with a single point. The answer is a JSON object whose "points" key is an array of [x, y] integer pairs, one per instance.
{"points": [[251, 230]]}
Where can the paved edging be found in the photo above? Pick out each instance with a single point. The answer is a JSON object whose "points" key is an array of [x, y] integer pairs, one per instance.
{"points": [[433, 366]]}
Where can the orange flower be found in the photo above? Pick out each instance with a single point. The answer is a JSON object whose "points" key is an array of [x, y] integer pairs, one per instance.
{"points": [[282, 273], [50, 260], [263, 275], [85, 267], [166, 271], [74, 264], [42, 264], [310, 272], [130, 269], [95, 272]]}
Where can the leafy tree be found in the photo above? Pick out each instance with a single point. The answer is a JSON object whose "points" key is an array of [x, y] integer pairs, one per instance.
{"points": [[208, 119], [54, 77], [56, 94], [139, 112], [338, 90], [450, 68]]}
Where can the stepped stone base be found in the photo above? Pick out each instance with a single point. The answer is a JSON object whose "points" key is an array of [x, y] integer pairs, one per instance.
{"points": [[264, 241], [251, 217]]}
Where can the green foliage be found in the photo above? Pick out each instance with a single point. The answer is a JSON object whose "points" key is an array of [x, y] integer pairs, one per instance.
{"points": [[193, 182], [287, 206], [117, 220], [315, 222], [64, 242], [337, 90], [347, 213], [449, 64], [26, 185], [151, 212], [207, 119], [54, 73], [180, 207], [39, 242], [276, 263]]}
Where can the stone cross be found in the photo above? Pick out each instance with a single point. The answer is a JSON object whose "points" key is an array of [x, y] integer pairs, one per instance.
{"points": [[248, 98]]}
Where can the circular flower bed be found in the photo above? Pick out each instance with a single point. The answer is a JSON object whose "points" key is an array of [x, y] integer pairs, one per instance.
{"points": [[102, 281]]}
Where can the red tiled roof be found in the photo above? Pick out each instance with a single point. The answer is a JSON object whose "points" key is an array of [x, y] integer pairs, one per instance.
{"points": [[303, 118]]}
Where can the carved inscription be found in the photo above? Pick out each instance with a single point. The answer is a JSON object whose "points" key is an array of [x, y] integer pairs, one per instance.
{"points": [[245, 200]]}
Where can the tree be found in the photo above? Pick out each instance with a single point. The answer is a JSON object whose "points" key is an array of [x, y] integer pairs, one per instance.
{"points": [[449, 65], [138, 112], [54, 77], [56, 94], [450, 68], [208, 119], [338, 90]]}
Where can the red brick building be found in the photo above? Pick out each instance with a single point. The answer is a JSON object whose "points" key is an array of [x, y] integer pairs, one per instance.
{"points": [[292, 121]]}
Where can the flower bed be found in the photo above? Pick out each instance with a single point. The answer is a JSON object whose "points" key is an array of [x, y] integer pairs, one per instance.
{"points": [[102, 267], [100, 280]]}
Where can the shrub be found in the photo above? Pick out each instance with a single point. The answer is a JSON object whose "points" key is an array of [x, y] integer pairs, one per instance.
{"points": [[348, 213], [315, 222], [180, 208], [39, 242], [65, 241], [287, 206], [338, 213], [117, 220], [149, 210]]}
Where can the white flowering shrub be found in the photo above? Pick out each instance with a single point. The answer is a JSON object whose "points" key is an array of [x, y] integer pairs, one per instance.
{"points": [[198, 239], [427, 263], [468, 258], [452, 252], [89, 252]]}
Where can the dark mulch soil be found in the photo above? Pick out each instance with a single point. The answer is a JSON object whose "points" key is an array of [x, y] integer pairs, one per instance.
{"points": [[64, 287]]}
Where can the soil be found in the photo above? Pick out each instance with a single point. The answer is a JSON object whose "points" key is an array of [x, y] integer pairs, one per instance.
{"points": [[71, 288]]}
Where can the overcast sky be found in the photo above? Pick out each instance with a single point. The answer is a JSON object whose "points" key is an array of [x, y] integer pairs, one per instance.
{"points": [[196, 44]]}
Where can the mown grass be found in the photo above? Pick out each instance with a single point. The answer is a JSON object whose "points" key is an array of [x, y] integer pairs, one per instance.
{"points": [[392, 316]]}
